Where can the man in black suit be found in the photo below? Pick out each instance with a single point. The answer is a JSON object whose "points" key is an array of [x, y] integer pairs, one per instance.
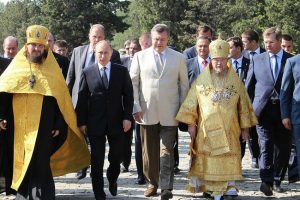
{"points": [[263, 84], [250, 39], [241, 65], [82, 57], [203, 30], [6, 149], [104, 111]]}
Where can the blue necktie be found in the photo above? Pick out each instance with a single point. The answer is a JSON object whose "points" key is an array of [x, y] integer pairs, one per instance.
{"points": [[276, 67]]}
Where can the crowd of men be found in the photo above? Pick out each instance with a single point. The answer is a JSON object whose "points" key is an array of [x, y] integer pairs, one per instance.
{"points": [[223, 93]]}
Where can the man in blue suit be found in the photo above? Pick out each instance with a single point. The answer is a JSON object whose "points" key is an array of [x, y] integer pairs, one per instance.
{"points": [[197, 64], [263, 84], [202, 30], [290, 100]]}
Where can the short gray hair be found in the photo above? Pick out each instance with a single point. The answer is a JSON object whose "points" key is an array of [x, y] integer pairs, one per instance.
{"points": [[160, 28]]}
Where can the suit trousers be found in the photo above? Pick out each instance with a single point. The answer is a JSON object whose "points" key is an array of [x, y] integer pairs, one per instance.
{"points": [[253, 143], [274, 143], [97, 143], [138, 151], [127, 147], [158, 154], [296, 135]]}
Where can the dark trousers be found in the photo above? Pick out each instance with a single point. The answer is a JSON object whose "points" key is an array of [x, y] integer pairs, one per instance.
{"points": [[253, 143], [275, 145], [97, 143], [176, 153], [127, 147], [138, 151]]}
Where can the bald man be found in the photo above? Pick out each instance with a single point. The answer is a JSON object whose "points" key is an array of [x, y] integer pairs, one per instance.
{"points": [[10, 47]]}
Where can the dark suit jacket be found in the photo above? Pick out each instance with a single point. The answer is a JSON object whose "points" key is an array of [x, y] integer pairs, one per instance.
{"points": [[260, 83], [3, 64], [63, 63], [190, 52], [104, 109], [77, 63], [290, 90], [244, 68]]}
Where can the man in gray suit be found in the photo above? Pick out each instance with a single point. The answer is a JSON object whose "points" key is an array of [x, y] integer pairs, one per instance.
{"points": [[197, 64], [82, 57], [290, 100], [160, 84], [263, 84]]}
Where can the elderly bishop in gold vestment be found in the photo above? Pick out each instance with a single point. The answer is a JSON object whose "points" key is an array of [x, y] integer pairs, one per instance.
{"points": [[217, 110]]}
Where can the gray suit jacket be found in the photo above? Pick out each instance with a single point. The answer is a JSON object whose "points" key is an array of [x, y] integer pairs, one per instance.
{"points": [[126, 62], [260, 83], [77, 63], [290, 90], [193, 69], [190, 53]]}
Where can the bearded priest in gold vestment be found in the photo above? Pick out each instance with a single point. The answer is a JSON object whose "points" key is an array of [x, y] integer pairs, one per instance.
{"points": [[36, 108], [217, 111]]}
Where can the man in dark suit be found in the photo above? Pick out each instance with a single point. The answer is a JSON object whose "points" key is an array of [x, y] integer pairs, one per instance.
{"points": [[197, 64], [250, 39], [104, 111], [6, 149], [241, 65], [290, 100], [82, 57], [263, 85], [203, 30], [63, 62], [134, 47]]}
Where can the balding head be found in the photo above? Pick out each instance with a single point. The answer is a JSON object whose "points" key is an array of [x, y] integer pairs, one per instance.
{"points": [[103, 52], [10, 47], [96, 34]]}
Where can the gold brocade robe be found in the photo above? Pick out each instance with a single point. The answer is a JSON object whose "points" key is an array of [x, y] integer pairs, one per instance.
{"points": [[73, 155], [216, 153]]}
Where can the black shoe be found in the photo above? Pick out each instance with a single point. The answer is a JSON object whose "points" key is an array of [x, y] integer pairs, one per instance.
{"points": [[166, 195], [206, 194], [140, 181], [278, 189], [176, 170], [254, 163], [113, 189], [81, 174], [266, 189], [100, 195]]}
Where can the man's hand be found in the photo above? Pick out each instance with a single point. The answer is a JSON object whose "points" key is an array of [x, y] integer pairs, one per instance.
{"points": [[83, 129], [126, 125], [3, 124], [192, 129], [287, 123], [55, 133], [138, 117], [245, 134]]}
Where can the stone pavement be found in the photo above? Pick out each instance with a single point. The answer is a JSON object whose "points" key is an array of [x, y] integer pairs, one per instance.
{"points": [[69, 188]]}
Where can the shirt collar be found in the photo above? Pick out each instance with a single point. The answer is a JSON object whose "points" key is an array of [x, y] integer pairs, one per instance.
{"points": [[108, 65], [278, 54]]}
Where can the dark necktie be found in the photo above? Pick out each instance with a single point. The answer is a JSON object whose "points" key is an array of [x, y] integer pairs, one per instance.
{"points": [[104, 78], [236, 66], [252, 53], [92, 60], [276, 67]]}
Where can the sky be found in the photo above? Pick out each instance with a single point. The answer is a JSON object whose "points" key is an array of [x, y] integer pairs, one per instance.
{"points": [[4, 1]]}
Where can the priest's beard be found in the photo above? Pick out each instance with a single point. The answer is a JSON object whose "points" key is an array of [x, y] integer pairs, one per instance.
{"points": [[37, 59], [221, 74]]}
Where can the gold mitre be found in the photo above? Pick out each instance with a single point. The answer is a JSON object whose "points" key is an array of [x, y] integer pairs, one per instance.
{"points": [[37, 34], [219, 49]]}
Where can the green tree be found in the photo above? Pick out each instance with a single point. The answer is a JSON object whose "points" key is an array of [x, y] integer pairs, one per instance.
{"points": [[71, 19]]}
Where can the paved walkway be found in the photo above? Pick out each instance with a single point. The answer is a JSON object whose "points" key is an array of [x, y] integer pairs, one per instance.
{"points": [[69, 188]]}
